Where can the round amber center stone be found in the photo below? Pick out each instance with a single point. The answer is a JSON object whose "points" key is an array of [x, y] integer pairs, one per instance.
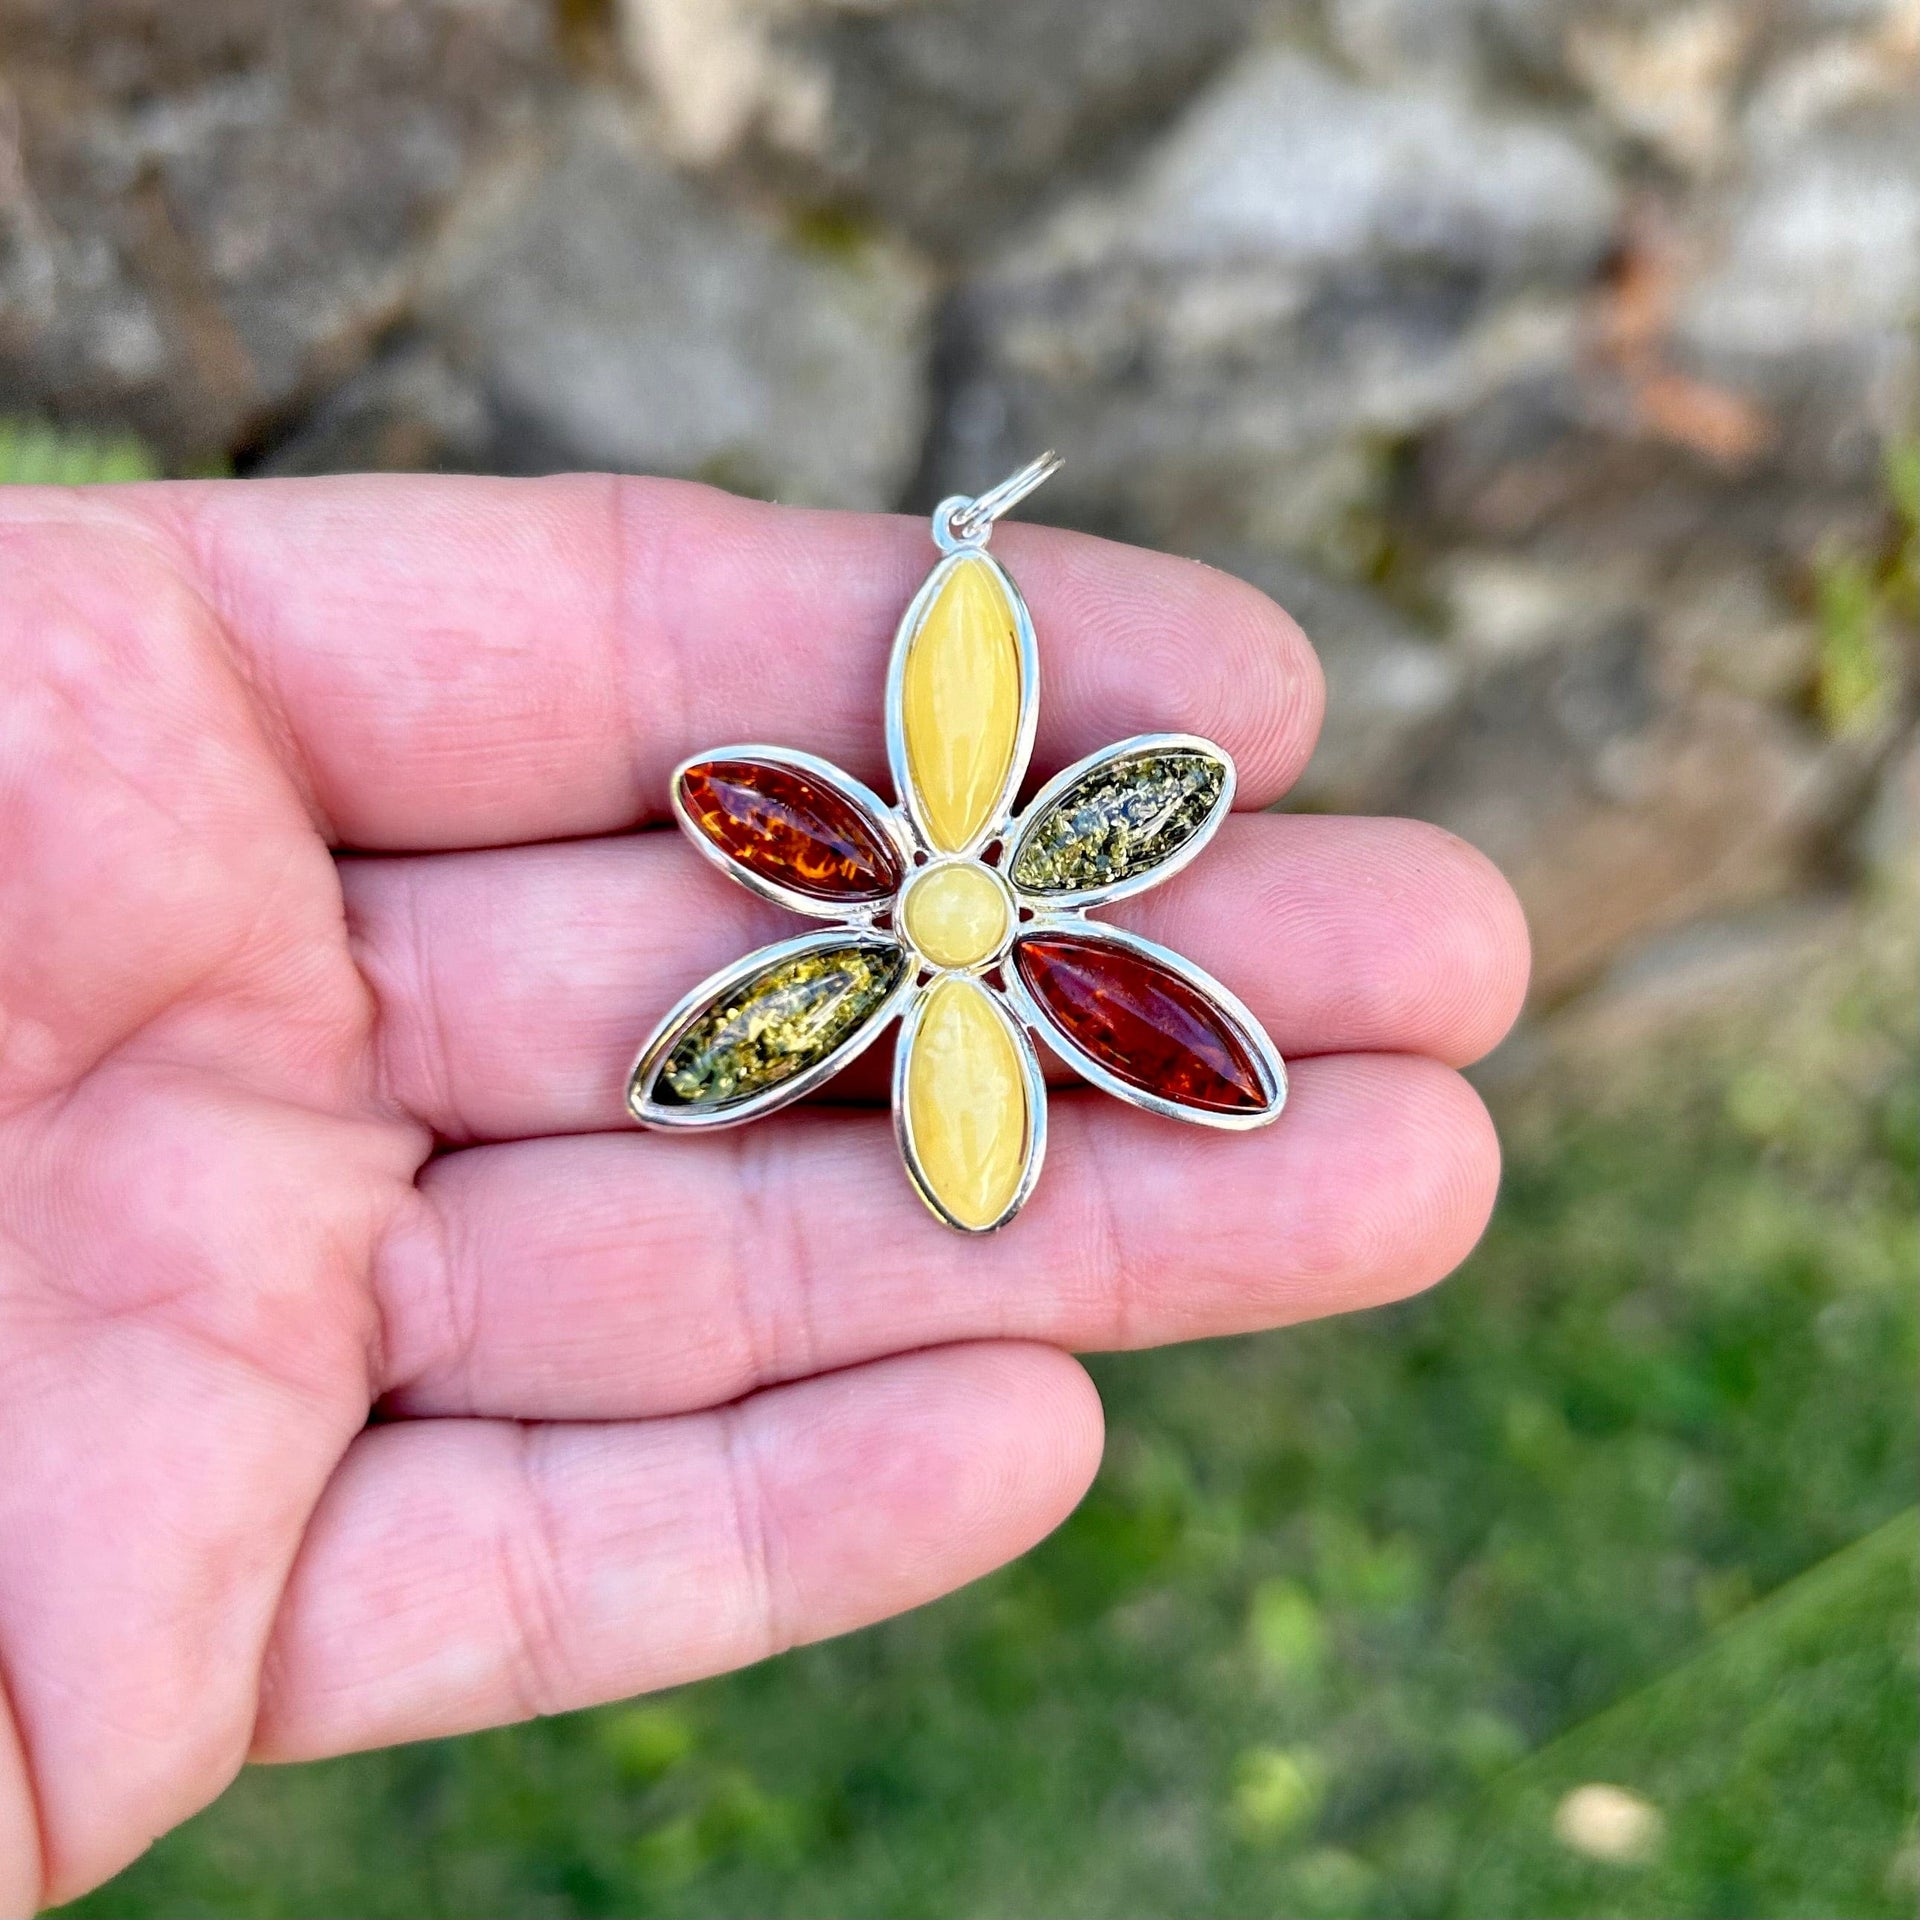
{"points": [[957, 916]]}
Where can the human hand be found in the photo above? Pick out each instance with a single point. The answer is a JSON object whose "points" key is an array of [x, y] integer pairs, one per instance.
{"points": [[659, 1406]]}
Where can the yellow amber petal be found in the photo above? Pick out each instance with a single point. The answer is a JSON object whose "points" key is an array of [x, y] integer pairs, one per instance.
{"points": [[956, 915], [960, 704], [967, 1103]]}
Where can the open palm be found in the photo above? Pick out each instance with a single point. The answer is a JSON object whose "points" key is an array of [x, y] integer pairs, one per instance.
{"points": [[649, 1407]]}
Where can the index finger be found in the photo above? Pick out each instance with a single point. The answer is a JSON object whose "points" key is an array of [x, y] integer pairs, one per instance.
{"points": [[469, 662]]}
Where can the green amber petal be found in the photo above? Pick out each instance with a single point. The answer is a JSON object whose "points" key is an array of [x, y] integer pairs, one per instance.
{"points": [[776, 1024], [1124, 817]]}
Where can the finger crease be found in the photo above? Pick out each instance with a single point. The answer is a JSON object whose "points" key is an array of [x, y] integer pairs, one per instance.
{"points": [[40, 1867], [784, 1343], [206, 577], [638, 561], [437, 1037], [1110, 1270], [529, 1562], [451, 1282], [753, 1532]]}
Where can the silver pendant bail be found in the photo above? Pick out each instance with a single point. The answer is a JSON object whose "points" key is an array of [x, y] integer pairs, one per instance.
{"points": [[961, 522]]}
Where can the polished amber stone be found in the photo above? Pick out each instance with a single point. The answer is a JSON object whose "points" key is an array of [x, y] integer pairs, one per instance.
{"points": [[777, 1023], [1141, 1021], [957, 915], [1121, 819], [791, 828], [967, 1105], [960, 704]]}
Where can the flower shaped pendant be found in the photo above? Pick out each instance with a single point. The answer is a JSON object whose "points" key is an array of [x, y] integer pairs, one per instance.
{"points": [[962, 917]]}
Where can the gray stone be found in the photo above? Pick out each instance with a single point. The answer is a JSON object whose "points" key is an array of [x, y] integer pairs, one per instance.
{"points": [[1395, 41], [1503, 607], [1301, 275], [208, 210], [1810, 296], [615, 314], [1887, 841], [1704, 979], [1649, 56], [1824, 59], [1731, 628], [943, 116], [1391, 687], [409, 410], [1665, 78], [1689, 86], [1618, 805], [1748, 356]]}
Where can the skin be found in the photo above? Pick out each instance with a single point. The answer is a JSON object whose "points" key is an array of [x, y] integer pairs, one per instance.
{"points": [[289, 1133]]}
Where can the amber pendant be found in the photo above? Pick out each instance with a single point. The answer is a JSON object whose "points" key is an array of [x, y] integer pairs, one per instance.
{"points": [[957, 913]]}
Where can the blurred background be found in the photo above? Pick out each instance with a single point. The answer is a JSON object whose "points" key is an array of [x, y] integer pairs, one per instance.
{"points": [[1554, 361]]}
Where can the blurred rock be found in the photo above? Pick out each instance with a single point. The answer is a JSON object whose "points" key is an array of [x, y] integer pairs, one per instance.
{"points": [[1810, 299], [1659, 76], [1887, 843], [1666, 77], [1303, 273], [1822, 59], [1753, 345], [596, 309], [1719, 440], [409, 410], [1400, 40], [1627, 474], [1726, 628], [1390, 687], [1708, 973], [1617, 807], [206, 211], [943, 116], [1504, 607], [1681, 84]]}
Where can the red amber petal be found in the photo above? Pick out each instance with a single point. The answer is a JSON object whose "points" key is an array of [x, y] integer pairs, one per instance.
{"points": [[1141, 1021], [791, 828]]}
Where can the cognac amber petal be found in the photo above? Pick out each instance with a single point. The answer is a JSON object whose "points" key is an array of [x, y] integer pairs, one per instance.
{"points": [[968, 1113], [1144, 1023], [791, 827], [771, 1024], [960, 704], [1125, 816]]}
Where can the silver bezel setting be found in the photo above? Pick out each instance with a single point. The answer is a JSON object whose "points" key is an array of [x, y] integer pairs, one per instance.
{"points": [[691, 1005], [1266, 1057], [1036, 1091], [1067, 778]]}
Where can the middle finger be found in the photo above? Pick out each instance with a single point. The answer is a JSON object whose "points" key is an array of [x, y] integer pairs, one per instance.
{"points": [[514, 987]]}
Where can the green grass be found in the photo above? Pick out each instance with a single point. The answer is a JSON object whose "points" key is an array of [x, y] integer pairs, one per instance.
{"points": [[1815, 1687], [35, 455], [1865, 604], [1351, 1606]]}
